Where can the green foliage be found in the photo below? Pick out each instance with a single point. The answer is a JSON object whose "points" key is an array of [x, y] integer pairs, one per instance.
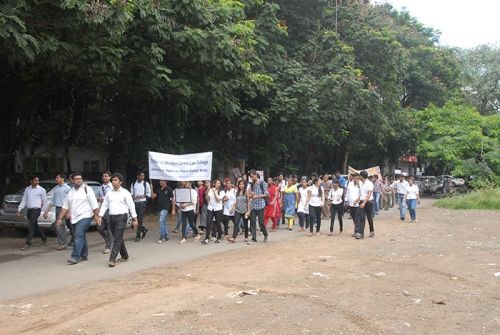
{"points": [[481, 72], [486, 198], [457, 138], [279, 82]]}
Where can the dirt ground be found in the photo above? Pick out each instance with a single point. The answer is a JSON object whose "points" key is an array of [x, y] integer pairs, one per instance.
{"points": [[431, 277]]}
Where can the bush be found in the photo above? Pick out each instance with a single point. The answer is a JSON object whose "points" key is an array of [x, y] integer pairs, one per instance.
{"points": [[486, 198]]}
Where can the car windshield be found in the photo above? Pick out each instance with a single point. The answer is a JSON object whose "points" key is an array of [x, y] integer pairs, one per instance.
{"points": [[49, 187]]}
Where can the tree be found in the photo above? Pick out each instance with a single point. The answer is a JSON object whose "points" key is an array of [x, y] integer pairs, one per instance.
{"points": [[456, 138], [481, 70]]}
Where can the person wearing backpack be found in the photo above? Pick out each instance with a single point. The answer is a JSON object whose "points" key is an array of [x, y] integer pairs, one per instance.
{"points": [[81, 202], [141, 191], [258, 194]]}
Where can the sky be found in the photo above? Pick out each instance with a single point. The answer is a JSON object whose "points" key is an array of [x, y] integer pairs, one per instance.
{"points": [[462, 23]]}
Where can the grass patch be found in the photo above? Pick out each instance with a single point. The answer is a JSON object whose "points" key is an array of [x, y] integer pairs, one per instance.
{"points": [[488, 198]]}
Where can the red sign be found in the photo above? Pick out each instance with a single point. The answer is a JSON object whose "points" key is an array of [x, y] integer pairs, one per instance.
{"points": [[409, 159]]}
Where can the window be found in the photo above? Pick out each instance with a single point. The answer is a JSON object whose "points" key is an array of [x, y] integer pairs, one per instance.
{"points": [[91, 166]]}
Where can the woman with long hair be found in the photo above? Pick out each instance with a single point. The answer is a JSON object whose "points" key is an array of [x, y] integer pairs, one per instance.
{"points": [[270, 211], [214, 209], [316, 202], [289, 200], [241, 211], [303, 203]]}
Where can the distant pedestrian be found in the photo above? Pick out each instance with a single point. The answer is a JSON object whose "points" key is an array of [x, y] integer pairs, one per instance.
{"points": [[35, 200], [365, 206], [241, 210], [163, 198], [118, 203], [304, 195], [290, 199], [377, 193], [258, 193], [336, 205], [272, 205], [141, 191], [399, 187], [60, 191], [326, 184], [352, 196], [214, 210], [412, 197], [228, 200], [187, 214], [315, 204], [104, 228]]}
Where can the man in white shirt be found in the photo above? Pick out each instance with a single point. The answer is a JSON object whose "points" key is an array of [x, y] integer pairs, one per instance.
{"points": [[365, 206], [141, 191], [336, 204], [400, 187], [352, 198], [104, 228], [117, 204], [82, 204], [34, 199]]}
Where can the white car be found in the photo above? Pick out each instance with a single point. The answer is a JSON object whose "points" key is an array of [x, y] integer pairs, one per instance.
{"points": [[8, 212]]}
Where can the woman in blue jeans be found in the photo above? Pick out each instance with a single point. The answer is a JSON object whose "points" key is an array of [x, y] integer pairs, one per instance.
{"points": [[411, 197]]}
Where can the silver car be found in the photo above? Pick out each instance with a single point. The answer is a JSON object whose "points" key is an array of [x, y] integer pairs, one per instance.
{"points": [[8, 212]]}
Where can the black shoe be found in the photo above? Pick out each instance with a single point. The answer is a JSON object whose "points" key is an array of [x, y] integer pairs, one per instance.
{"points": [[144, 232], [254, 240], [137, 238]]}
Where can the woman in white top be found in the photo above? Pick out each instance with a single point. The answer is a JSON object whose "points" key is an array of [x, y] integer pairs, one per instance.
{"points": [[187, 214], [229, 199], [303, 206], [315, 203], [214, 209], [336, 204], [412, 196]]}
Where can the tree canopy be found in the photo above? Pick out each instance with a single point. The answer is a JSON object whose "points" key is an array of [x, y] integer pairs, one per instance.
{"points": [[295, 85]]}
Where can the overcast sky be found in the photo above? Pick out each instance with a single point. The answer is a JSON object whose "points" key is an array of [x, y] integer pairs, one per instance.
{"points": [[462, 23]]}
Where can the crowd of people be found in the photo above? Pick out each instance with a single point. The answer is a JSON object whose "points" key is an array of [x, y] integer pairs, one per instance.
{"points": [[204, 211]]}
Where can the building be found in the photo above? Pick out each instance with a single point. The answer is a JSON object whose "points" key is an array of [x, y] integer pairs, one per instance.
{"points": [[46, 162]]}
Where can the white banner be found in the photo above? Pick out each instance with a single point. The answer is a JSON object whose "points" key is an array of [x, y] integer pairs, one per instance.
{"points": [[189, 167]]}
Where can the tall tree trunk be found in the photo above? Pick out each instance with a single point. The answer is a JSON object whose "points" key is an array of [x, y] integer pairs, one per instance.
{"points": [[344, 161]]}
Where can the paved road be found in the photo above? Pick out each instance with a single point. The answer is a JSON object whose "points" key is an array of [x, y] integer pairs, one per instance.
{"points": [[41, 269]]}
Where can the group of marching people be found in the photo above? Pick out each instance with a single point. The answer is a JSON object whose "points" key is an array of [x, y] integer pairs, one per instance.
{"points": [[210, 208]]}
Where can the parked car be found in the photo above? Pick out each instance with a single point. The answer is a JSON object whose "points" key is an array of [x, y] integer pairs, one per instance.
{"points": [[454, 182], [8, 212], [427, 184]]}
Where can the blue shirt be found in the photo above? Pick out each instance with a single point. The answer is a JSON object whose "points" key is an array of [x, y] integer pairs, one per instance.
{"points": [[342, 181], [60, 192], [103, 190]]}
